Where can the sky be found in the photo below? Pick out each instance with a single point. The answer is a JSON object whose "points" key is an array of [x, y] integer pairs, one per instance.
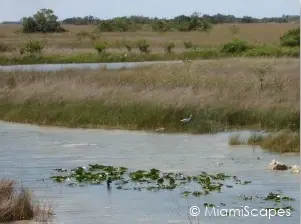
{"points": [[14, 10]]}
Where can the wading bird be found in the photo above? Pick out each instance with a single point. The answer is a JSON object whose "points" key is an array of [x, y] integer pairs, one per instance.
{"points": [[186, 120]]}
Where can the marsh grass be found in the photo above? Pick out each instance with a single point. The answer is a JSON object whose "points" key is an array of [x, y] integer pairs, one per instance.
{"points": [[146, 55], [81, 36], [282, 142], [255, 139], [220, 94], [236, 140], [18, 204]]}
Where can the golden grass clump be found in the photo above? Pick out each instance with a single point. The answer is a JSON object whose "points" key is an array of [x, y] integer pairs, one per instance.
{"points": [[282, 142], [18, 205]]}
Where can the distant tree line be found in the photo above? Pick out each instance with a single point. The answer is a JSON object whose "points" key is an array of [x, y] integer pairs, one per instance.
{"points": [[213, 19], [46, 21]]}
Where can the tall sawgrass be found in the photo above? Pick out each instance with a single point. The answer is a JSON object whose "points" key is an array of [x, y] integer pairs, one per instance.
{"points": [[17, 204], [282, 141], [220, 95]]}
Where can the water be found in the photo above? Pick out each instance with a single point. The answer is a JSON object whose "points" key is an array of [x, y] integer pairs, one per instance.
{"points": [[30, 153], [56, 67]]}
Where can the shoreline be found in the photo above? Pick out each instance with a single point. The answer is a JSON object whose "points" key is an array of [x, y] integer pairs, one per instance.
{"points": [[205, 54]]}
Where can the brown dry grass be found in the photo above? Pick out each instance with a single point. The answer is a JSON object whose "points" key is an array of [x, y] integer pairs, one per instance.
{"points": [[225, 82], [65, 43], [18, 204]]}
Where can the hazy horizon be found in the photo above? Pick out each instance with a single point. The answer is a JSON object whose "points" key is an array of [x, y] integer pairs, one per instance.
{"points": [[14, 10]]}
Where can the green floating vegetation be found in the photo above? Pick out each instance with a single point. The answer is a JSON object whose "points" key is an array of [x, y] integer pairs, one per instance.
{"points": [[151, 180]]}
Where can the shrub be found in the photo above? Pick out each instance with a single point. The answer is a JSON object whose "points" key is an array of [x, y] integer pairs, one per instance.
{"points": [[4, 48], [100, 47], [235, 47], [11, 82], [291, 38], [33, 47], [188, 44], [43, 21], [168, 47], [128, 46], [143, 46]]}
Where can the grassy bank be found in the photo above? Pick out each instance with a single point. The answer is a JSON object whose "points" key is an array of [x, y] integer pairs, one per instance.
{"points": [[17, 204], [198, 53], [81, 36], [282, 142], [227, 93]]}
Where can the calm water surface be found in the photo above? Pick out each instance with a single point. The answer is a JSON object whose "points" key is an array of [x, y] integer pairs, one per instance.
{"points": [[30, 153], [56, 67]]}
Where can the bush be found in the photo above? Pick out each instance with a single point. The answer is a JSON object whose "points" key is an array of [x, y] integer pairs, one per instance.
{"points": [[4, 48], [33, 47], [128, 46], [168, 47], [100, 47], [235, 47], [43, 21], [11, 82], [188, 44], [143, 46], [291, 38]]}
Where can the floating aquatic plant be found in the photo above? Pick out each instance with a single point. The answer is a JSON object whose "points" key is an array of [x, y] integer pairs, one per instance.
{"points": [[151, 180]]}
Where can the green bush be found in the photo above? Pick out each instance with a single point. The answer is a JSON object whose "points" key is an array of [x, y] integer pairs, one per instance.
{"points": [[291, 38], [235, 47], [43, 21], [169, 46], [32, 47], [143, 46], [100, 47]]}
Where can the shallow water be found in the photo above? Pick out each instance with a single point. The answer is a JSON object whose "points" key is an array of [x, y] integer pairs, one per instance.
{"points": [[30, 153], [57, 67]]}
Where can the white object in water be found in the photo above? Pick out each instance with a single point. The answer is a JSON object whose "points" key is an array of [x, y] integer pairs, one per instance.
{"points": [[186, 120]]}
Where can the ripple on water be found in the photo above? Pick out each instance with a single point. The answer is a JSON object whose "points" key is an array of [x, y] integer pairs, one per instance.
{"points": [[30, 154]]}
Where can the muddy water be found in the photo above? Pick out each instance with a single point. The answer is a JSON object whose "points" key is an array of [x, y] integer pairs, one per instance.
{"points": [[30, 153]]}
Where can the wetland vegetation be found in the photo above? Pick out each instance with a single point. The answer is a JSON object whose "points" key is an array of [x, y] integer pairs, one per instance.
{"points": [[145, 39], [283, 142], [18, 204], [155, 180], [221, 94]]}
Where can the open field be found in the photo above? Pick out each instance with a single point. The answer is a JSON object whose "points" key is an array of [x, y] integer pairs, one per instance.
{"points": [[220, 94], [81, 39]]}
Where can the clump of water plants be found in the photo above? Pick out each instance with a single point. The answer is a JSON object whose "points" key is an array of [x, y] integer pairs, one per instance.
{"points": [[236, 140], [283, 142], [255, 139], [151, 180], [18, 204]]}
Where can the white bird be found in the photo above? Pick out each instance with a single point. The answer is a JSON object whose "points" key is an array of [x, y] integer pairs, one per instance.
{"points": [[186, 120]]}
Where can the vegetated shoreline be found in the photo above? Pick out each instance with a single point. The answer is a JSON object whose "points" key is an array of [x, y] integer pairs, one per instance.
{"points": [[211, 53], [284, 141], [221, 94]]}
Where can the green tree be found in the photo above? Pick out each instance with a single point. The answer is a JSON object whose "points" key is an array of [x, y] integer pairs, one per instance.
{"points": [[43, 21]]}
